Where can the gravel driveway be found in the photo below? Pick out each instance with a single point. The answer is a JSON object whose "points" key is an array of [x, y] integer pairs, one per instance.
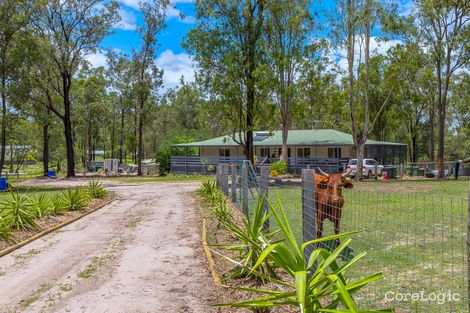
{"points": [[141, 253]]}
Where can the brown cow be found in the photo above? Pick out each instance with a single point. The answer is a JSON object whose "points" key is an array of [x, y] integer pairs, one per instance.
{"points": [[329, 199]]}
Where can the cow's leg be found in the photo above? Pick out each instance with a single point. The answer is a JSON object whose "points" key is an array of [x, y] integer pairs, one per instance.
{"points": [[336, 221], [320, 219]]}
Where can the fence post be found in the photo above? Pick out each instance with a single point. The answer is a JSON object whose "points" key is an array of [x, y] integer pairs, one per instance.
{"points": [[233, 173], [375, 171], [468, 252], [244, 190], [309, 226], [263, 188], [225, 178]]}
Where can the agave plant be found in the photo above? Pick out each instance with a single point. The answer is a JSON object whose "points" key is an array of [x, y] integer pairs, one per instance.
{"points": [[74, 199], [57, 204], [17, 212], [41, 205], [96, 190], [252, 237], [4, 230], [319, 283]]}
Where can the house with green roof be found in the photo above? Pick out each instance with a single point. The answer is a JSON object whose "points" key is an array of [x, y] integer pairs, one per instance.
{"points": [[328, 148]]}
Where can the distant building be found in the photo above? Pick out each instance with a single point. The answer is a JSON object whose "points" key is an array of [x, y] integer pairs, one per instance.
{"points": [[327, 148]]}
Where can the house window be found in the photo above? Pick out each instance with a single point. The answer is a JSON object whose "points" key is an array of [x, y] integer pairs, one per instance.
{"points": [[224, 152], [334, 153], [303, 152], [264, 152]]}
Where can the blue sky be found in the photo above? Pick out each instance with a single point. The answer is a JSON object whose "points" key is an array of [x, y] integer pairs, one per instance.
{"points": [[171, 57]]}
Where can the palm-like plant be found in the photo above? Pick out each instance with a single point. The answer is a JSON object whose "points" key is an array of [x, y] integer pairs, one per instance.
{"points": [[252, 237], [320, 283], [17, 212], [74, 199], [4, 230], [41, 205], [96, 190]]}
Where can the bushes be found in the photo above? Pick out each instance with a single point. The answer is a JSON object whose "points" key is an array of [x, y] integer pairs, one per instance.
{"points": [[96, 190], [278, 168], [18, 211]]}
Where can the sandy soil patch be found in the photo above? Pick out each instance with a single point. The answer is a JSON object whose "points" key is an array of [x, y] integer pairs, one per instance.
{"points": [[142, 253]]}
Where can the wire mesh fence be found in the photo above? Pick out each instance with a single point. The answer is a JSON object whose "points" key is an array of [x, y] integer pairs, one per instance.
{"points": [[418, 241]]}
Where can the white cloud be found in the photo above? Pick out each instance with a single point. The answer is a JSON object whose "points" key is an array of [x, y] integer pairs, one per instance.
{"points": [[175, 66], [377, 47], [96, 59], [128, 20], [172, 12]]}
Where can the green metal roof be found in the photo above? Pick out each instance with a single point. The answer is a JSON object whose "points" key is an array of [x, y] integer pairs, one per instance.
{"points": [[315, 137]]}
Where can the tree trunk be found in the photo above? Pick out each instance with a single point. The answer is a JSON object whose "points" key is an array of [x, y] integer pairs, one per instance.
{"points": [[440, 140], [45, 149], [66, 81], [285, 134], [413, 143], [4, 122], [113, 134], [431, 133], [140, 142], [360, 150], [121, 139]]}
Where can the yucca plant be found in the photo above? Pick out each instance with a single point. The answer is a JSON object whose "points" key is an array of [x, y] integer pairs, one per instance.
{"points": [[17, 212], [57, 204], [41, 205], [252, 237], [96, 190], [319, 282], [74, 199], [4, 230], [210, 191]]}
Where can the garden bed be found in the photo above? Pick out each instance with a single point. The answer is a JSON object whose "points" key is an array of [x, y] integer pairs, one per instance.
{"points": [[50, 222]]}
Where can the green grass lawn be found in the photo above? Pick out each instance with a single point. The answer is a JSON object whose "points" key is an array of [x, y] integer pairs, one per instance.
{"points": [[414, 233]]}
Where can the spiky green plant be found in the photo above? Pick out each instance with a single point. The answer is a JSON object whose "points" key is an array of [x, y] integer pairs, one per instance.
{"points": [[251, 237], [4, 230], [74, 199], [96, 190], [319, 283], [57, 204], [41, 205], [16, 210]]}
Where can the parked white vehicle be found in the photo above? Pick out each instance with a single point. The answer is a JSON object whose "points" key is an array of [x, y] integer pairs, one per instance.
{"points": [[368, 167]]}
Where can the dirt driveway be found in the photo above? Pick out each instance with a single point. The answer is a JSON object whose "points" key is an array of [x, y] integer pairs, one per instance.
{"points": [[139, 254]]}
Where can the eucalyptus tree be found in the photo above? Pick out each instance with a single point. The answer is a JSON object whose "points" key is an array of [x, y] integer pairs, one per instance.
{"points": [[227, 44], [73, 29], [353, 27], [15, 15], [289, 25], [444, 28], [119, 74], [148, 76]]}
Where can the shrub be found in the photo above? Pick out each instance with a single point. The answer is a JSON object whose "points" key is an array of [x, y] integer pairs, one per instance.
{"points": [[96, 190], [74, 199], [319, 282], [41, 205], [17, 212], [252, 237], [4, 230], [57, 204], [280, 167]]}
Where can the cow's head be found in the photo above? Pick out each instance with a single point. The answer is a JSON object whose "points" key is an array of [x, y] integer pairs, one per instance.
{"points": [[332, 186]]}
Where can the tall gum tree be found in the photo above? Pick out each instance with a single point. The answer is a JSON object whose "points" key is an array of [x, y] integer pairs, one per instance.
{"points": [[444, 27], [73, 28], [148, 76], [288, 24], [227, 44]]}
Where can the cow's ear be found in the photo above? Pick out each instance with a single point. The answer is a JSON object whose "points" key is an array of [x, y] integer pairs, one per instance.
{"points": [[348, 185]]}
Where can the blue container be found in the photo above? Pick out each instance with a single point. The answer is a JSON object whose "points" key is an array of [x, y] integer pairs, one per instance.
{"points": [[3, 184], [51, 173]]}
